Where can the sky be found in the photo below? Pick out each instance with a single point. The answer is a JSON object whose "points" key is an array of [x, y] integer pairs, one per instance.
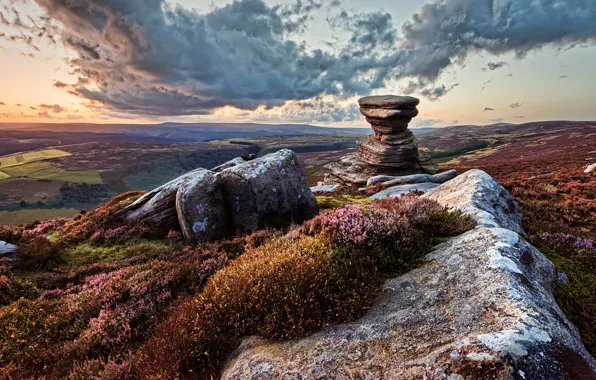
{"points": [[295, 61]]}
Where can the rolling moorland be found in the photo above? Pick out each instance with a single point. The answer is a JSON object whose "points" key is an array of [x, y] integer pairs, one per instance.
{"points": [[56, 170], [113, 298]]}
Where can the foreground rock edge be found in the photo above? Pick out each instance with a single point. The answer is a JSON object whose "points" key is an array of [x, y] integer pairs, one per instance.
{"points": [[481, 305]]}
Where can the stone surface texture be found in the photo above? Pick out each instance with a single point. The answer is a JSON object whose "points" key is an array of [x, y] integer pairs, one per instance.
{"points": [[201, 209], [242, 196], [480, 307], [391, 150], [158, 206], [270, 190], [7, 248], [324, 188], [415, 178], [399, 190]]}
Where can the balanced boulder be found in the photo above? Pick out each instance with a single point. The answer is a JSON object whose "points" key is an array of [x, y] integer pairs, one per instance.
{"points": [[391, 150]]}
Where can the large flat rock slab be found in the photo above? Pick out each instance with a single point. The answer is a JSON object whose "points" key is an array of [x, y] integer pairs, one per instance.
{"points": [[480, 307]]}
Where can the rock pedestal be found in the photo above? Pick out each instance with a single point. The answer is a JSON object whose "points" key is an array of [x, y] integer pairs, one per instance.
{"points": [[393, 144], [391, 150]]}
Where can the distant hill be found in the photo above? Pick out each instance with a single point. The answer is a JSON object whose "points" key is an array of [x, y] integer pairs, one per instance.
{"points": [[190, 132], [510, 141]]}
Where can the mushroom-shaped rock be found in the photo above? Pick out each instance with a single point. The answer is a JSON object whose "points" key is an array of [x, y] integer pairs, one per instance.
{"points": [[268, 191], [201, 209]]}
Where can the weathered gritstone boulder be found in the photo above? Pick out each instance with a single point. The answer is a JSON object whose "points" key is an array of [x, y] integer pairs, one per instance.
{"points": [[158, 207], [415, 178], [480, 307], [201, 209], [270, 190], [242, 196]]}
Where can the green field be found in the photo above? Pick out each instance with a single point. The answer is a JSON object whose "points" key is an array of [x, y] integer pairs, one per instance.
{"points": [[28, 157], [45, 170]]}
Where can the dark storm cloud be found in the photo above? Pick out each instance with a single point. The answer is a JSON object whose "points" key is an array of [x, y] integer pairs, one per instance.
{"points": [[149, 57], [492, 66]]}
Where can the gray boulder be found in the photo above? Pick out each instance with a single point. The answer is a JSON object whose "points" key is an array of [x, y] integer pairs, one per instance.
{"points": [[7, 248], [476, 193], [414, 178], [398, 191], [324, 188], [243, 196], [200, 208], [481, 306], [234, 162], [158, 206], [267, 191]]}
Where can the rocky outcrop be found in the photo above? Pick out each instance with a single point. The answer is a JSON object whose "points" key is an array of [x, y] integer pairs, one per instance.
{"points": [[391, 150], [268, 191], [237, 196], [480, 307], [392, 144], [158, 206]]}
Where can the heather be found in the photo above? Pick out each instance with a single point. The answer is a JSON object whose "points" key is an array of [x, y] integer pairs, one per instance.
{"points": [[109, 299], [328, 272]]}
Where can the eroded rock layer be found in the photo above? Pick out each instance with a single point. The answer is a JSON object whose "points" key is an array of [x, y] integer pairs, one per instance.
{"points": [[391, 150]]}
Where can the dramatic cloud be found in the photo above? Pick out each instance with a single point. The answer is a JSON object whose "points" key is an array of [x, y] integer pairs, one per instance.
{"points": [[55, 108], [488, 109], [492, 66], [151, 58], [516, 105]]}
